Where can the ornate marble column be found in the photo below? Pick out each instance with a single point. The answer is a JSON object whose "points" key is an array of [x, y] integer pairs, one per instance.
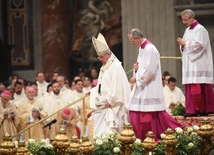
{"points": [[55, 36]]}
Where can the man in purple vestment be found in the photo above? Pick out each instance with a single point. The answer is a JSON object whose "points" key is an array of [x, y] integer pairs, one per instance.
{"points": [[197, 66], [146, 104]]}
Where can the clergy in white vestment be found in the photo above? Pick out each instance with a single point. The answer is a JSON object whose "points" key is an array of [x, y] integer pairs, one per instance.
{"points": [[111, 94], [38, 97], [54, 76], [197, 66], [87, 82], [41, 84], [63, 90], [18, 93], [52, 102], [77, 94], [146, 105], [173, 95], [8, 116], [31, 111]]}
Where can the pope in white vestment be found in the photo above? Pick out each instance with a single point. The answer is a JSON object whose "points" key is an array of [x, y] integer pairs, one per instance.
{"points": [[111, 93]]}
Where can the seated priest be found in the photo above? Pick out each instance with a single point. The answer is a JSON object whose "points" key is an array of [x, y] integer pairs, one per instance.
{"points": [[31, 111]]}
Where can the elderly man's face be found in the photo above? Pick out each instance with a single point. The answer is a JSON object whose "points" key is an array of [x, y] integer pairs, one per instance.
{"points": [[5, 99], [30, 93], [187, 20], [104, 57], [135, 41], [61, 81]]}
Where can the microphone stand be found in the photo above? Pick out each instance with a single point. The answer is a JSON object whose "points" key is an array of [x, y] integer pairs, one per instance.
{"points": [[48, 139]]}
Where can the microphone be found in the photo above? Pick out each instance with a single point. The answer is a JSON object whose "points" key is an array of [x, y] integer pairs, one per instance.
{"points": [[49, 124]]}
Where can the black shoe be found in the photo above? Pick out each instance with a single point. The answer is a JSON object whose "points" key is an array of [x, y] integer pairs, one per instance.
{"points": [[210, 113], [189, 115], [202, 113]]}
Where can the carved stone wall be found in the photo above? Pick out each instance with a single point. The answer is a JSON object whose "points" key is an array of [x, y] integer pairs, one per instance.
{"points": [[37, 42], [90, 18]]}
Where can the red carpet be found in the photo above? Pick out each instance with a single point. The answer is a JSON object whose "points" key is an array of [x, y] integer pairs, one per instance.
{"points": [[190, 121]]}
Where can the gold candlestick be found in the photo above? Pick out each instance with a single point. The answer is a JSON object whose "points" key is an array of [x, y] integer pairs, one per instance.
{"points": [[7, 147], [170, 142], [127, 138], [86, 146], [206, 132], [149, 143], [22, 150], [61, 142], [74, 148]]}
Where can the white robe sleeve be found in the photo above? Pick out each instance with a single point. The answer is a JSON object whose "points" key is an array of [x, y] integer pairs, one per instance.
{"points": [[147, 67], [197, 46], [93, 95], [116, 88]]}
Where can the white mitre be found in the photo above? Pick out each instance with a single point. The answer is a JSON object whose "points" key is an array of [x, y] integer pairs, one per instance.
{"points": [[100, 44]]}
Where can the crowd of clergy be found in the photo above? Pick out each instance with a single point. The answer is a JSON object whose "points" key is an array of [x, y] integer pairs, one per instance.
{"points": [[24, 103]]}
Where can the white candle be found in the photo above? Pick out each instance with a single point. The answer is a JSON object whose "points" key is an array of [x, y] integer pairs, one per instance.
{"points": [[47, 142]]}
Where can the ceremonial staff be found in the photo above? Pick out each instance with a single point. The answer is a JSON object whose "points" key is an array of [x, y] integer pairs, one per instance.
{"points": [[167, 57], [82, 98], [83, 119]]}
